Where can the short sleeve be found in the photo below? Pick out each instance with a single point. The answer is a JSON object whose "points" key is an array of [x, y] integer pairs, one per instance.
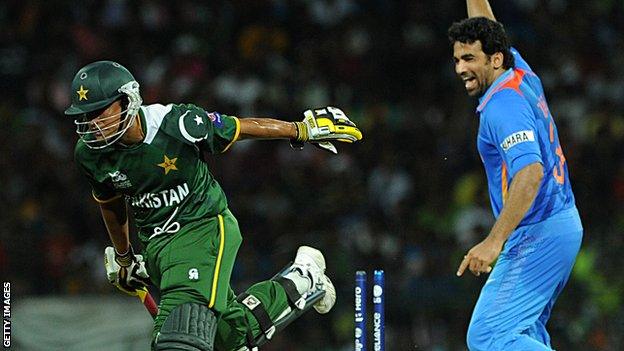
{"points": [[102, 192], [211, 131], [512, 128]]}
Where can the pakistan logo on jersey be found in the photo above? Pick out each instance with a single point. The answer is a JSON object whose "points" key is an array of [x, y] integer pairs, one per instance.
{"points": [[168, 164], [120, 180]]}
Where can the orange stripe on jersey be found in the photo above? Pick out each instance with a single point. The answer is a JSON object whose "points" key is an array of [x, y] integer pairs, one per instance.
{"points": [[504, 182], [491, 93], [513, 82], [552, 132]]}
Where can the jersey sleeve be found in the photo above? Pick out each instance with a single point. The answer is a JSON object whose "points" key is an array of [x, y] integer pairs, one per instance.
{"points": [[101, 192], [210, 131], [512, 128], [520, 61]]}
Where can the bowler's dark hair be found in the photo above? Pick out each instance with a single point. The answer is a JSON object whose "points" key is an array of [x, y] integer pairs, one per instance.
{"points": [[490, 33]]}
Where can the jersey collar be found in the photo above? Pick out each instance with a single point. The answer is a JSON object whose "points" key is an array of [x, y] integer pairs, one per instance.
{"points": [[141, 117], [496, 85]]}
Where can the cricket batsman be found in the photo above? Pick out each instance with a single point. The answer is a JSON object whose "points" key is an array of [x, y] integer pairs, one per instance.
{"points": [[147, 160], [538, 232]]}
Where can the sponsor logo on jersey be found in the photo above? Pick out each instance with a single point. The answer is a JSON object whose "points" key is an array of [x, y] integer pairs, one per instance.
{"points": [[120, 180], [215, 118], [516, 138], [167, 197]]}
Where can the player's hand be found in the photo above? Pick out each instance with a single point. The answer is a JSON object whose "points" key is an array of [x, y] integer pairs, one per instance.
{"points": [[480, 258], [322, 125], [127, 272]]}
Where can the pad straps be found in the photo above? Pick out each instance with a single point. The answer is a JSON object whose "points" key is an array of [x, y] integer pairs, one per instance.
{"points": [[295, 300], [260, 314]]}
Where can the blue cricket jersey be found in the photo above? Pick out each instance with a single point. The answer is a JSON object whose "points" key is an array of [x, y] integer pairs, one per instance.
{"points": [[516, 129]]}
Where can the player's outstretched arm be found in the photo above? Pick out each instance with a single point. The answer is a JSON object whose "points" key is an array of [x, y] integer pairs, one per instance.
{"points": [[480, 8], [319, 127], [266, 128]]}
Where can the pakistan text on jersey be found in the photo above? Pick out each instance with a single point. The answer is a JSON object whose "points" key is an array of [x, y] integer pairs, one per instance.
{"points": [[167, 197]]}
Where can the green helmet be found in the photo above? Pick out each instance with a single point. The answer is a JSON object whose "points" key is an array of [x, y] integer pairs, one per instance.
{"points": [[96, 86]]}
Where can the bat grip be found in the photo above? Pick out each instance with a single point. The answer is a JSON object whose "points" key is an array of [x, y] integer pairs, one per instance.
{"points": [[148, 301]]}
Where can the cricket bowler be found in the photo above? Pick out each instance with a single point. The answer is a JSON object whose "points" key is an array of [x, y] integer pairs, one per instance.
{"points": [[538, 232]]}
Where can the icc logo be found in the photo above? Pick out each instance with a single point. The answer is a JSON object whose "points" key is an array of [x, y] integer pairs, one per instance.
{"points": [[118, 177], [120, 180]]}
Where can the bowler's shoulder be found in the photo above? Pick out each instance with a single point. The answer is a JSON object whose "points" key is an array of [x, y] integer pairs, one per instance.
{"points": [[502, 101], [506, 106]]}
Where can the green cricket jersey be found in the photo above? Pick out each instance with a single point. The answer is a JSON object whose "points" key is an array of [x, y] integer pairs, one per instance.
{"points": [[169, 189], [164, 179]]}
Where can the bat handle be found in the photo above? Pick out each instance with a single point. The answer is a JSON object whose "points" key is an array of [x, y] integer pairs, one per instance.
{"points": [[148, 301]]}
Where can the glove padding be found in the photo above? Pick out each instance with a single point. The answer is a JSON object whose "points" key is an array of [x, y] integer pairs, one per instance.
{"points": [[320, 126], [127, 272]]}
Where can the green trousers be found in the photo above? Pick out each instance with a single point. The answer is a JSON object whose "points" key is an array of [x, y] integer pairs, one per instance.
{"points": [[195, 265]]}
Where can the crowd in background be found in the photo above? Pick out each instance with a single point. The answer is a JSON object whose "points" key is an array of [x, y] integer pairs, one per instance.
{"points": [[411, 198]]}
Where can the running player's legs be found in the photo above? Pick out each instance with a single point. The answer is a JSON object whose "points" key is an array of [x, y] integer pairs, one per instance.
{"points": [[235, 322], [253, 317], [194, 274], [196, 267], [516, 301]]}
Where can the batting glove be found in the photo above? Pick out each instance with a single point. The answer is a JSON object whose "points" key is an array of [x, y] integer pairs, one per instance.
{"points": [[323, 125], [127, 272]]}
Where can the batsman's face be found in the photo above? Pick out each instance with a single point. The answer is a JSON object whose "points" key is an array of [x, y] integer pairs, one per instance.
{"points": [[104, 123], [476, 69]]}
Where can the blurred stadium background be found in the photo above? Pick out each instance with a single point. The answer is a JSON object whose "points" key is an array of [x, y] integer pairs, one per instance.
{"points": [[410, 198]]}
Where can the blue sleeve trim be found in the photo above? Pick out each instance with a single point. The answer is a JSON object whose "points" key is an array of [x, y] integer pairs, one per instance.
{"points": [[522, 161]]}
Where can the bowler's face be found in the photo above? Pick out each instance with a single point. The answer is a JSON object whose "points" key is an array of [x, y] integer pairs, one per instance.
{"points": [[473, 66]]}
